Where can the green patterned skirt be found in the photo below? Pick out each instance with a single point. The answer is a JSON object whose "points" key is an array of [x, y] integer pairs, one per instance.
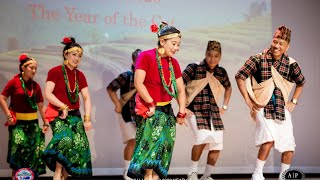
{"points": [[69, 146], [26, 146], [154, 143]]}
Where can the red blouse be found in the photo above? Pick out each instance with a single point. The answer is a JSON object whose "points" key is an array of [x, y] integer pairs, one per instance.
{"points": [[19, 102], [55, 75], [147, 61]]}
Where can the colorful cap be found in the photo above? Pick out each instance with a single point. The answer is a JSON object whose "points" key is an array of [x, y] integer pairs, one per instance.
{"points": [[283, 33], [165, 31], [214, 45]]}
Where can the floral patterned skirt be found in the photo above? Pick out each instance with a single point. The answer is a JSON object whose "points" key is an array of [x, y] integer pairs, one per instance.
{"points": [[154, 143], [69, 146], [26, 146]]}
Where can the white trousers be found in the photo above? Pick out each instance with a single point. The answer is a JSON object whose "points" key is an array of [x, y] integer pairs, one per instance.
{"points": [[128, 129], [281, 132], [213, 138]]}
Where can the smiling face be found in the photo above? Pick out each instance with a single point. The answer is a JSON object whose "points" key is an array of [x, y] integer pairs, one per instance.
{"points": [[171, 46], [213, 58], [278, 47], [29, 70], [74, 58]]}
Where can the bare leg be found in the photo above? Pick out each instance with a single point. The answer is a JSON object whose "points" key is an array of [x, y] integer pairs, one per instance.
{"points": [[286, 157], [265, 150], [127, 155], [262, 156], [211, 161], [128, 150], [195, 156], [57, 172], [213, 157], [197, 151]]}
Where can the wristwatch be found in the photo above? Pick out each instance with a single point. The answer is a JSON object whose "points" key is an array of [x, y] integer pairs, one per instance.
{"points": [[225, 107], [294, 101]]}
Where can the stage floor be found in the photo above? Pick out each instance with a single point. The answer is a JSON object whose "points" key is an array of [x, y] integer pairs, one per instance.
{"points": [[183, 177]]}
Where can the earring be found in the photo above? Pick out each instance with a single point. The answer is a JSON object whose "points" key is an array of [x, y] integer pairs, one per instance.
{"points": [[161, 50], [22, 74], [66, 62]]}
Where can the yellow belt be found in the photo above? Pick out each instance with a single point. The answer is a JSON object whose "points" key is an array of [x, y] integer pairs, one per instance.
{"points": [[163, 103], [26, 116]]}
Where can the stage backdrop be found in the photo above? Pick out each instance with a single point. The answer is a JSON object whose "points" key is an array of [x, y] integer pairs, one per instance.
{"points": [[109, 30]]}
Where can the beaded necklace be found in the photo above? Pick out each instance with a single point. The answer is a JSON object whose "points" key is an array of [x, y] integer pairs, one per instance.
{"points": [[172, 78], [76, 87], [30, 98]]}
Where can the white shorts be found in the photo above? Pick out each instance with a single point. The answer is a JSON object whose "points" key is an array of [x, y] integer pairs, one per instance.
{"points": [[128, 129], [280, 132], [213, 139]]}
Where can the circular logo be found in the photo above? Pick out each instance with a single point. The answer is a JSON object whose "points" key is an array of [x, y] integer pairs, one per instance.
{"points": [[24, 174], [292, 174]]}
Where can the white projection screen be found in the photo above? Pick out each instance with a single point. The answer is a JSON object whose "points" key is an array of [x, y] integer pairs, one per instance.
{"points": [[110, 30]]}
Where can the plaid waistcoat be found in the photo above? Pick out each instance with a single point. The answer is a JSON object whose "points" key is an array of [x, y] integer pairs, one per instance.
{"points": [[275, 109], [204, 105]]}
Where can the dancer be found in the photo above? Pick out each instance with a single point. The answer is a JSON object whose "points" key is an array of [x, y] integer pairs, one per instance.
{"points": [[125, 107], [156, 72], [68, 151], [26, 138], [205, 83], [271, 77]]}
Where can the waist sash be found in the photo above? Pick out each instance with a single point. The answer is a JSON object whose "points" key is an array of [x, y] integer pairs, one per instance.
{"points": [[26, 116], [261, 93], [196, 86], [126, 97]]}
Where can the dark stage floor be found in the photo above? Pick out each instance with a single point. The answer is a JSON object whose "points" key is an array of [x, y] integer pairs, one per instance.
{"points": [[184, 177]]}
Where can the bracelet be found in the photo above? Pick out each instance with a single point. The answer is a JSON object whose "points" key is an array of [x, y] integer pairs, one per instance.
{"points": [[46, 125], [86, 118], [181, 115], [151, 104], [64, 107]]}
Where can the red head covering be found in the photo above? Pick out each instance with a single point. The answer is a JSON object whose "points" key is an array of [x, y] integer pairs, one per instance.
{"points": [[23, 57]]}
